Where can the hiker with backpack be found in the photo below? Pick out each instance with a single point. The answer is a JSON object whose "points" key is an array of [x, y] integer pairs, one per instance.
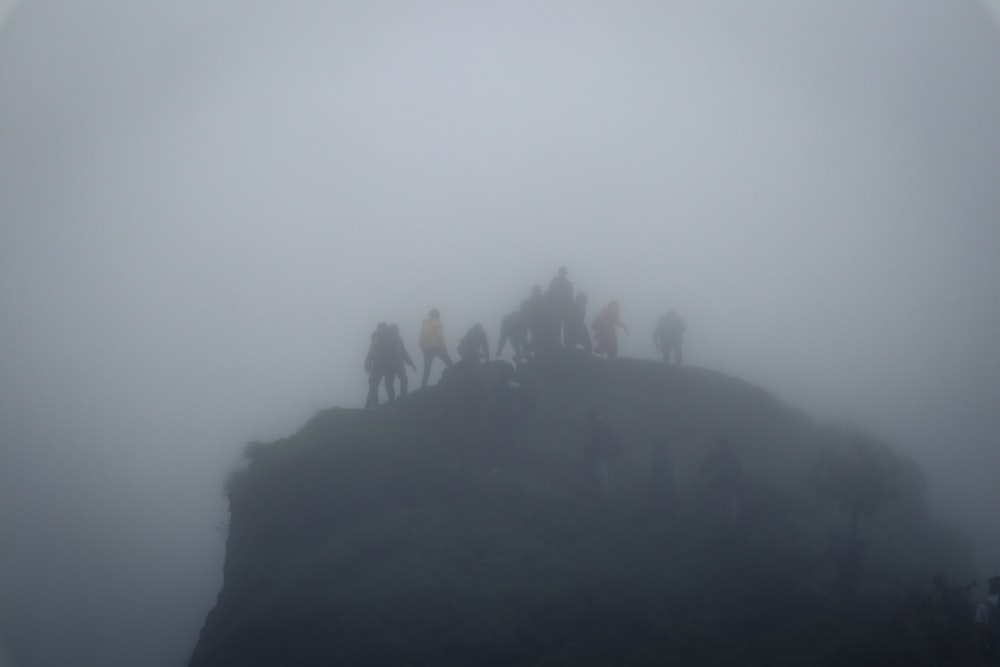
{"points": [[988, 624], [379, 364]]}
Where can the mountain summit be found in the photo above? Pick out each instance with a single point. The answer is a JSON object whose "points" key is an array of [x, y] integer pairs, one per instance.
{"points": [[460, 526]]}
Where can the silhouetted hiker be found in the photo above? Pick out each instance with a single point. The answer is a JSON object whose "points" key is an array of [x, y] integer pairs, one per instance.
{"points": [[378, 363], [605, 330], [432, 344], [577, 334], [988, 624], [661, 475], [514, 327], [400, 360], [474, 347], [560, 298], [668, 335], [726, 479], [601, 449]]}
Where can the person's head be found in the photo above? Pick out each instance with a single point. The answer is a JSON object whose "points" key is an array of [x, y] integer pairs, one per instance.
{"points": [[381, 328], [994, 585], [477, 327], [562, 271], [394, 329], [435, 314]]}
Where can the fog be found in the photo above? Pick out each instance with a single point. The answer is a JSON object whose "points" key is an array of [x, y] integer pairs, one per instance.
{"points": [[205, 208]]}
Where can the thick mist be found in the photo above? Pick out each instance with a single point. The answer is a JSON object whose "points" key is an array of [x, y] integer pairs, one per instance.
{"points": [[205, 208]]}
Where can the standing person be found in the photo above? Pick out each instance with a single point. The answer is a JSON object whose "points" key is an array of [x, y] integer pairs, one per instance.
{"points": [[988, 624], [661, 475], [605, 329], [432, 343], [400, 360], [378, 363], [601, 449], [560, 298], [577, 333], [668, 335]]}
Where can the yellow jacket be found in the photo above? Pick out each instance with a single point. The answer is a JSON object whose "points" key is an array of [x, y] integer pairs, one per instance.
{"points": [[431, 334]]}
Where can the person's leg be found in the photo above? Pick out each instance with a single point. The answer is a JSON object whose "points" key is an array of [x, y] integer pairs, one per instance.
{"points": [[404, 381], [373, 381], [677, 350], [428, 360], [503, 341], [445, 357], [390, 385]]}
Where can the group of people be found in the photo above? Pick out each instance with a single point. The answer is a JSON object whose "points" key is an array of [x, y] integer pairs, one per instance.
{"points": [[547, 321]]}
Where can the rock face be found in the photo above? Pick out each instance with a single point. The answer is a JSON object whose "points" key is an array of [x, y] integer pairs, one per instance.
{"points": [[461, 526]]}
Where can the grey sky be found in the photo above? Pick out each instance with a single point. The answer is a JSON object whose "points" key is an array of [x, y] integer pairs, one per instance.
{"points": [[205, 208]]}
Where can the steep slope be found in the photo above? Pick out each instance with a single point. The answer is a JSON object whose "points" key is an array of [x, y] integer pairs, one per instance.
{"points": [[456, 527]]}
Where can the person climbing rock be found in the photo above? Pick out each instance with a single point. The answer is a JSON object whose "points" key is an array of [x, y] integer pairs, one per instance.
{"points": [[667, 337], [474, 347], [432, 344], [514, 327], [605, 330]]}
